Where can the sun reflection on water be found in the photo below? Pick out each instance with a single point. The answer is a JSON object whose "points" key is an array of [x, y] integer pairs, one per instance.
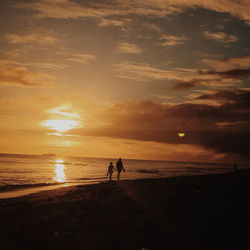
{"points": [[59, 171]]}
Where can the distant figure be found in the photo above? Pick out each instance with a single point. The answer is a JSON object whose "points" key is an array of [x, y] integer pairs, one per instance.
{"points": [[110, 170], [235, 168], [119, 168]]}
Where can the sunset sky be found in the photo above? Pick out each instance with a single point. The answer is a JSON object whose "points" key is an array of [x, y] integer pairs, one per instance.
{"points": [[121, 78]]}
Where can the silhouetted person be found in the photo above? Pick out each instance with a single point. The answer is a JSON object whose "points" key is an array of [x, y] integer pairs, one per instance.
{"points": [[235, 168], [119, 168], [110, 170]]}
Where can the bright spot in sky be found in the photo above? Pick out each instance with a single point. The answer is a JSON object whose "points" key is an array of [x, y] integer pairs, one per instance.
{"points": [[64, 111], [61, 125], [59, 171], [181, 134]]}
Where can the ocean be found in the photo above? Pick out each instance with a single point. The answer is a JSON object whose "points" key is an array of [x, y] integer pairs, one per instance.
{"points": [[24, 174]]}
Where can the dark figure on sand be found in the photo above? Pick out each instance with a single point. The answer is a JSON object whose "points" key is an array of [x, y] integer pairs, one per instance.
{"points": [[119, 168], [110, 170]]}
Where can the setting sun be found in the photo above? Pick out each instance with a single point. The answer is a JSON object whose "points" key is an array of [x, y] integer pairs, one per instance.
{"points": [[61, 125]]}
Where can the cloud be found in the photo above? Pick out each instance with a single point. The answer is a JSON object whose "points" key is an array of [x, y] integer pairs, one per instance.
{"points": [[156, 8], [182, 85], [144, 72], [228, 63], [182, 78], [202, 123], [21, 76], [170, 40], [31, 38], [234, 73], [151, 26], [163, 97], [57, 9], [220, 37], [129, 48], [235, 97], [45, 65], [81, 58], [105, 22]]}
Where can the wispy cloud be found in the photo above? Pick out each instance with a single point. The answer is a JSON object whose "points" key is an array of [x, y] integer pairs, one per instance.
{"points": [[230, 63], [45, 65], [129, 48], [151, 26], [70, 9], [31, 38], [170, 40], [182, 78], [144, 72], [106, 22], [21, 76], [81, 58], [220, 37]]}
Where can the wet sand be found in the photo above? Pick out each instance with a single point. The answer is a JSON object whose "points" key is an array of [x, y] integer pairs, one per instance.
{"points": [[194, 212]]}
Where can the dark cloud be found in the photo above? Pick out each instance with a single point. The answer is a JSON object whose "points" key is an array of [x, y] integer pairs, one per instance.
{"points": [[213, 127], [235, 73], [185, 85], [235, 98], [218, 76]]}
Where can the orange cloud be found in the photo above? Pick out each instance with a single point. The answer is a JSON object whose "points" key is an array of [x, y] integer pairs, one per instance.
{"points": [[129, 48], [228, 63], [21, 76], [183, 78], [221, 37], [34, 38], [170, 40], [81, 58], [157, 8]]}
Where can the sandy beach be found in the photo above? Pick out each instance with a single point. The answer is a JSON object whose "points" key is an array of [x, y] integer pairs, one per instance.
{"points": [[195, 212]]}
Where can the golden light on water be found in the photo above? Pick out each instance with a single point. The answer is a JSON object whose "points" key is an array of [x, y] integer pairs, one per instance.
{"points": [[181, 134], [59, 161], [61, 125], [59, 171]]}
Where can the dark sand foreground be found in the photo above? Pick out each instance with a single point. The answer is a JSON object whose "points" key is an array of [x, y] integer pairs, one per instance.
{"points": [[197, 212]]}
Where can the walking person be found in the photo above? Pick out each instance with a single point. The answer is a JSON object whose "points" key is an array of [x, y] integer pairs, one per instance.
{"points": [[111, 169], [119, 168]]}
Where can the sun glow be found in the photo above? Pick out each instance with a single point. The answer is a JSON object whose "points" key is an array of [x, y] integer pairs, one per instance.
{"points": [[61, 125]]}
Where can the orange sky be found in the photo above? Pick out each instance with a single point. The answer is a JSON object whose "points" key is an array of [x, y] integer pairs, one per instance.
{"points": [[107, 79]]}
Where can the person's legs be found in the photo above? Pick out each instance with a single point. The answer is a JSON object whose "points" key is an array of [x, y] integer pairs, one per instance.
{"points": [[118, 175]]}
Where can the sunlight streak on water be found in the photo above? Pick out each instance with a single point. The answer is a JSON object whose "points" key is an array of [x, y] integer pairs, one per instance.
{"points": [[59, 171]]}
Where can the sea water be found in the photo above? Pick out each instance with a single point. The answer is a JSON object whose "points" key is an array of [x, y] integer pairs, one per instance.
{"points": [[36, 172]]}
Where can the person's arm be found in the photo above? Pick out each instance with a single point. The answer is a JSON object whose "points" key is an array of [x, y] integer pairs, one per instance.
{"points": [[123, 167]]}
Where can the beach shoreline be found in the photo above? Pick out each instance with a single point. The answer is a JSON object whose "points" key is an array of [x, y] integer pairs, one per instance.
{"points": [[191, 212]]}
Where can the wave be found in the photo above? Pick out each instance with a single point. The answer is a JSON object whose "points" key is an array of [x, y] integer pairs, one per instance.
{"points": [[203, 169], [148, 171], [9, 187], [11, 162], [90, 179], [81, 164]]}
